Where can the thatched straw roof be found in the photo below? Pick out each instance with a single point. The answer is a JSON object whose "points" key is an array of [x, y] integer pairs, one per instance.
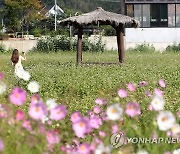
{"points": [[102, 17]]}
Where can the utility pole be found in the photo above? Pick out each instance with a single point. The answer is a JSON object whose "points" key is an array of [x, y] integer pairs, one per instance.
{"points": [[55, 16]]}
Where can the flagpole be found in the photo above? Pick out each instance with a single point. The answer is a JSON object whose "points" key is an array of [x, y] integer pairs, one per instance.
{"points": [[55, 16]]}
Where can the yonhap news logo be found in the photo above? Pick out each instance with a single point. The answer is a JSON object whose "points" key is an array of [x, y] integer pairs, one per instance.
{"points": [[119, 139]]}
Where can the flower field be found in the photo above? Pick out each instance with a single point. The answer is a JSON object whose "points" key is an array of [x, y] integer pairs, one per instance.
{"points": [[64, 108]]}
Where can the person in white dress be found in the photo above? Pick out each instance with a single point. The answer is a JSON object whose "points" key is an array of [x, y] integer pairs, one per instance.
{"points": [[19, 71]]}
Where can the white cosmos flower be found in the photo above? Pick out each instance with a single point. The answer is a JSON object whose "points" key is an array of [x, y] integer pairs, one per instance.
{"points": [[142, 152], [102, 149], [158, 103], [175, 129], [51, 104], [176, 151], [33, 86], [2, 87], [165, 120], [114, 112]]}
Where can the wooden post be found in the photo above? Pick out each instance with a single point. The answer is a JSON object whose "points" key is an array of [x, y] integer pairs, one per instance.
{"points": [[79, 46], [120, 43]]}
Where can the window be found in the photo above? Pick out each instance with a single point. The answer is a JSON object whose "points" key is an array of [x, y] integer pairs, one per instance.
{"points": [[163, 15], [142, 14], [137, 13], [154, 15], [159, 15], [146, 15], [130, 10], [177, 15], [171, 15]]}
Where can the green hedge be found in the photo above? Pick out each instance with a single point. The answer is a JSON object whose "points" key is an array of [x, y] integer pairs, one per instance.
{"points": [[62, 42]]}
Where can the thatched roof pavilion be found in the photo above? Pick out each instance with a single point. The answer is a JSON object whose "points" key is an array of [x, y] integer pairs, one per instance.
{"points": [[101, 17]]}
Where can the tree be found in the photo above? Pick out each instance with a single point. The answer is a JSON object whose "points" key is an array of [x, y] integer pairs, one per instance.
{"points": [[19, 12]]}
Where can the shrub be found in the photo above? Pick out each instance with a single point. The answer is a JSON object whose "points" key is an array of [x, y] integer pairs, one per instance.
{"points": [[62, 42], [142, 48], [174, 48], [2, 48]]}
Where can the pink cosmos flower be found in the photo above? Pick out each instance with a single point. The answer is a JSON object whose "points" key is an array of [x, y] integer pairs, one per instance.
{"points": [[41, 129], [178, 114], [18, 96], [167, 152], [150, 108], [102, 134], [35, 99], [76, 116], [58, 113], [142, 83], [93, 146], [63, 148], [97, 140], [19, 115], [132, 109], [84, 148], [114, 128], [38, 111], [97, 109], [4, 111], [158, 92], [91, 113], [52, 137], [131, 87], [162, 83], [76, 142], [104, 116], [100, 101], [95, 122], [148, 94], [27, 124], [81, 127], [1, 145], [122, 93], [1, 76], [169, 133], [11, 121]]}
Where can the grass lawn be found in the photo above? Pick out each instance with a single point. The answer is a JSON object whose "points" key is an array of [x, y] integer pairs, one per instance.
{"points": [[77, 87]]}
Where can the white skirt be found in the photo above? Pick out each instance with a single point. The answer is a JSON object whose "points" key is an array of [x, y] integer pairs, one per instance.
{"points": [[21, 73]]}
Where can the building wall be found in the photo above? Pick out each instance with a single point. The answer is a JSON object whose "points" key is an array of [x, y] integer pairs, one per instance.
{"points": [[160, 38], [21, 45]]}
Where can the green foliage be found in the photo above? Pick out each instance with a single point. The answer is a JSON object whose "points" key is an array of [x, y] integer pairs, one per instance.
{"points": [[37, 32], [108, 31], [78, 87], [2, 48], [62, 42], [174, 48], [85, 5], [142, 48], [16, 13]]}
